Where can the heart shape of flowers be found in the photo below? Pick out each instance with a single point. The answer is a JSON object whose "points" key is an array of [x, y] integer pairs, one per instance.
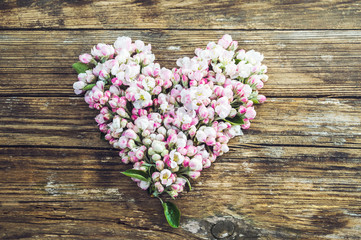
{"points": [[170, 124]]}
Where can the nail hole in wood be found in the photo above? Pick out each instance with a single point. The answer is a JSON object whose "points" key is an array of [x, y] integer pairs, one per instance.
{"points": [[223, 229]]}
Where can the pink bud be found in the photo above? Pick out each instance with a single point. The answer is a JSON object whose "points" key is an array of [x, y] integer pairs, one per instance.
{"points": [[193, 83], [125, 160], [155, 176], [157, 90], [103, 128], [223, 139], [250, 113], [139, 154], [242, 109], [192, 150], [210, 141], [159, 165], [159, 187], [246, 124], [172, 139], [85, 58], [182, 151], [194, 174], [261, 98], [129, 133]]}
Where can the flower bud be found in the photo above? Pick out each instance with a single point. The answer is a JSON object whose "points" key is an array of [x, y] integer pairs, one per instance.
{"points": [[156, 157], [159, 165], [155, 176], [158, 146], [147, 141], [151, 151], [165, 152], [85, 58], [159, 187]]}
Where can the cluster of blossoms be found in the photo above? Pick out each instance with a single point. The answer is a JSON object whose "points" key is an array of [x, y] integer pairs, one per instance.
{"points": [[171, 124]]}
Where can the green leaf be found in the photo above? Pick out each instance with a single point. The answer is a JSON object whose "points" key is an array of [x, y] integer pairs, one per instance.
{"points": [[172, 214], [138, 174], [255, 100], [237, 120], [89, 86], [80, 67]]}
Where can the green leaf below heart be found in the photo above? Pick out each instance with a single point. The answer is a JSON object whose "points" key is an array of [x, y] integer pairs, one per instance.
{"points": [[172, 214], [138, 174]]}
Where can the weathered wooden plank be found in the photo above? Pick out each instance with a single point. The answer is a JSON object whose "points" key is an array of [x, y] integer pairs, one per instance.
{"points": [[68, 122], [271, 192], [301, 63], [188, 14]]}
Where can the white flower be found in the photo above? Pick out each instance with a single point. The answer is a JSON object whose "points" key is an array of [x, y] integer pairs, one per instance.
{"points": [[165, 177], [181, 140], [142, 122], [130, 73], [223, 108], [241, 55], [254, 57], [176, 157], [79, 85], [148, 83], [142, 98], [204, 132], [188, 65], [139, 45], [122, 56], [193, 97], [195, 163], [158, 146], [185, 116], [244, 69], [226, 57], [123, 43], [144, 185], [231, 69], [235, 130]]}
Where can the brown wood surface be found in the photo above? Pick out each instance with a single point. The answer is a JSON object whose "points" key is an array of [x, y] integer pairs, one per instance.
{"points": [[188, 14], [295, 174]]}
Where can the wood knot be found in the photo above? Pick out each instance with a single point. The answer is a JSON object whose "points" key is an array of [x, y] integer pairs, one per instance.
{"points": [[223, 229]]}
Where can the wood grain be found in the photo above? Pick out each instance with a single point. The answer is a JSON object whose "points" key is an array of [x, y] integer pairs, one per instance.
{"points": [[190, 14], [273, 192], [301, 63], [67, 122], [295, 174]]}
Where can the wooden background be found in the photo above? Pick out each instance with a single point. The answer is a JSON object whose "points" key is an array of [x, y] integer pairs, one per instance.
{"points": [[295, 174]]}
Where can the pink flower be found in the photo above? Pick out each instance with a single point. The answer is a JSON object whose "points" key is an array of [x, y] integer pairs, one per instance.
{"points": [[159, 165], [155, 176], [159, 187], [261, 98], [225, 41], [143, 185], [223, 108], [250, 113], [194, 174], [195, 163], [129, 133], [85, 58]]}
